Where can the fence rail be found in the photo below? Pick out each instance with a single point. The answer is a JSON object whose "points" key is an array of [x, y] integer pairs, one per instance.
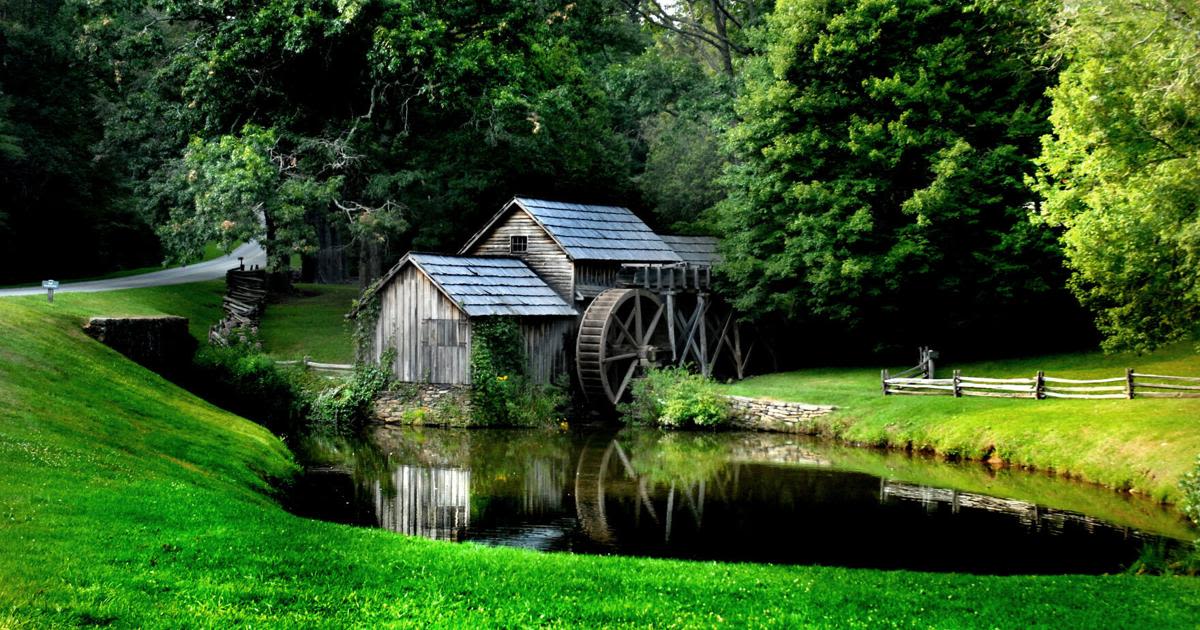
{"points": [[313, 365], [1131, 385]]}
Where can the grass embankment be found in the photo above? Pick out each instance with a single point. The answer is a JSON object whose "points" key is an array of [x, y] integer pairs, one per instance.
{"points": [[311, 322], [1141, 445], [125, 500]]}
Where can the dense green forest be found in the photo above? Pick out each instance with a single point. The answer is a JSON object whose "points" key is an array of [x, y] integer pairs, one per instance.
{"points": [[975, 174]]}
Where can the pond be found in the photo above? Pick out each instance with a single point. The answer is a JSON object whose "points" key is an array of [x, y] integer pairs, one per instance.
{"points": [[755, 497]]}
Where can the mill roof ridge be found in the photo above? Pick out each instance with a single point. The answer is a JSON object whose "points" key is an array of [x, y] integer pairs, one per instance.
{"points": [[590, 232], [484, 286]]}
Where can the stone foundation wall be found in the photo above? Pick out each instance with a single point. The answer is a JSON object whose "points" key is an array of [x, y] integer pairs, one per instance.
{"points": [[162, 344], [424, 404], [757, 414]]}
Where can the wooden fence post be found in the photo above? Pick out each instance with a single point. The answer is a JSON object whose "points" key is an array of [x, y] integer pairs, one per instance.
{"points": [[1129, 383], [883, 378], [958, 383], [1039, 388]]}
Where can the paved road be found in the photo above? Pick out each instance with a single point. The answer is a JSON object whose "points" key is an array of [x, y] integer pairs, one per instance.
{"points": [[208, 270]]}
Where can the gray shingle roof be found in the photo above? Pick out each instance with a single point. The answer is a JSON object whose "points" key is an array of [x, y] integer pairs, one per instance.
{"points": [[697, 250], [598, 232], [492, 286]]}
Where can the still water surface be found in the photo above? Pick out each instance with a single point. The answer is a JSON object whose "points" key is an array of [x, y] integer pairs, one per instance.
{"points": [[726, 496]]}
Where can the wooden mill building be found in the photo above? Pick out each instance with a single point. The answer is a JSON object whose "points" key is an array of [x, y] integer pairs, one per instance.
{"points": [[543, 263]]}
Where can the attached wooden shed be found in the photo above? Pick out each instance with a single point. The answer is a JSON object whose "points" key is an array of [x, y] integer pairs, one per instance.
{"points": [[428, 303], [577, 248]]}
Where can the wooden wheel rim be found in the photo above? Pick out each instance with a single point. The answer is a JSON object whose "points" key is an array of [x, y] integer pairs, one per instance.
{"points": [[618, 336]]}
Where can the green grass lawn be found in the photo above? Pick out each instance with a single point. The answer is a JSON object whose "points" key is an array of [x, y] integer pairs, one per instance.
{"points": [[1143, 445], [126, 501], [311, 323]]}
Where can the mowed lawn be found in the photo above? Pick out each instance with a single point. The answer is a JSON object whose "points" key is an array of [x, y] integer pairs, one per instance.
{"points": [[1144, 445], [311, 323], [126, 501]]}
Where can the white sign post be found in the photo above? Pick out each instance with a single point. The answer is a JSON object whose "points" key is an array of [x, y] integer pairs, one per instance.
{"points": [[50, 286]]}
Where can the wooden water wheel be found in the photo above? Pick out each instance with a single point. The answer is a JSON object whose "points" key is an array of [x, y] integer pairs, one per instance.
{"points": [[622, 332]]}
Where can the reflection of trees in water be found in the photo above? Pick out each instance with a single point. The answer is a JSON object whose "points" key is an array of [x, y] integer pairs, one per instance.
{"points": [[426, 501]]}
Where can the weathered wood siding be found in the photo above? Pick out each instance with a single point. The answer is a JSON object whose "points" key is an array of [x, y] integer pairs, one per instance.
{"points": [[411, 308], [591, 277], [546, 341], [543, 255]]}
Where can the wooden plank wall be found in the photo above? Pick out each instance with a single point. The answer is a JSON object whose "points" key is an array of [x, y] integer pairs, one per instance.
{"points": [[407, 302], [596, 274], [544, 256], [546, 341]]}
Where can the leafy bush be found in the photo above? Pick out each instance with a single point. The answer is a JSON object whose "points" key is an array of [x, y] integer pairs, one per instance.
{"points": [[346, 405], [501, 393], [248, 383], [1191, 493], [677, 398]]}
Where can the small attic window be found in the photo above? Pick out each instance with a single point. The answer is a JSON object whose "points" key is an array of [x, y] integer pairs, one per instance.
{"points": [[518, 244]]}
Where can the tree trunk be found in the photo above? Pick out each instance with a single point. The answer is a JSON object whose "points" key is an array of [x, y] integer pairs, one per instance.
{"points": [[370, 261]]}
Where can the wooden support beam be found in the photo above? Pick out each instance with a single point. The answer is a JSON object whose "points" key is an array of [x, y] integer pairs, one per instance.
{"points": [[671, 321]]}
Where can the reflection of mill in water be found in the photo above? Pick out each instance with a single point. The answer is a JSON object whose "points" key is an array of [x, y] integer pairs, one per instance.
{"points": [[592, 483], [433, 502]]}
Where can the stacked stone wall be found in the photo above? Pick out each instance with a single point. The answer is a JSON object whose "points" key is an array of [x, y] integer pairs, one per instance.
{"points": [[425, 404], [759, 414]]}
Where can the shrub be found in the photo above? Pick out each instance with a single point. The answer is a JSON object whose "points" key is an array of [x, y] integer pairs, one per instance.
{"points": [[245, 381], [347, 405], [501, 393], [674, 397], [1191, 493]]}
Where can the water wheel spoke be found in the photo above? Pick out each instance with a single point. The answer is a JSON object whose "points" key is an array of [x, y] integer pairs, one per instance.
{"points": [[625, 381], [619, 357], [624, 330], [650, 330]]}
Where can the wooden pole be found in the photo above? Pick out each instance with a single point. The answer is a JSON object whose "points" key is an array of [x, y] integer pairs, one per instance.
{"points": [[1039, 388], [671, 322], [958, 383], [883, 378], [738, 360], [1129, 383], [703, 308]]}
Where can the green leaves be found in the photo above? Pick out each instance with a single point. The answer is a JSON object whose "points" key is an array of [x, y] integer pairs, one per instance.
{"points": [[243, 187], [877, 178], [1121, 171]]}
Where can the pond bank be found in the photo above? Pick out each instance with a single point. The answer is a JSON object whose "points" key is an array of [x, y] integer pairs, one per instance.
{"points": [[1140, 446]]}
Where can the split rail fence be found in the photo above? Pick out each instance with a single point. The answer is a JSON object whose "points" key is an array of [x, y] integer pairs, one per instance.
{"points": [[1131, 385], [309, 364]]}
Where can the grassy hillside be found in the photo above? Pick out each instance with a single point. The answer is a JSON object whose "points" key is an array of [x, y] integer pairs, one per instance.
{"points": [[312, 323], [1144, 445], [126, 501]]}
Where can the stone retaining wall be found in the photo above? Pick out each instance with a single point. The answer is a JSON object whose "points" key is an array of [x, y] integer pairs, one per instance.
{"points": [[424, 404], [759, 414], [162, 344]]}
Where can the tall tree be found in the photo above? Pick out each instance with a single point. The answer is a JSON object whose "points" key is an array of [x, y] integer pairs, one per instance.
{"points": [[63, 211], [1122, 169], [402, 122], [878, 178]]}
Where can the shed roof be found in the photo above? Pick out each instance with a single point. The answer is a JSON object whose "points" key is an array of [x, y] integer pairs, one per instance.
{"points": [[696, 250], [483, 286], [587, 232]]}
